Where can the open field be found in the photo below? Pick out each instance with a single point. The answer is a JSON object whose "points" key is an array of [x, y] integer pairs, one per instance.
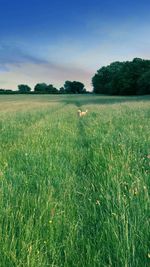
{"points": [[74, 191]]}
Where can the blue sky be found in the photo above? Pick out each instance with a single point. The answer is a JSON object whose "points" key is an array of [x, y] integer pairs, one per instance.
{"points": [[53, 41]]}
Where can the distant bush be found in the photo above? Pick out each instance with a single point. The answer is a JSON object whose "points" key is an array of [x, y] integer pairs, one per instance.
{"points": [[7, 92]]}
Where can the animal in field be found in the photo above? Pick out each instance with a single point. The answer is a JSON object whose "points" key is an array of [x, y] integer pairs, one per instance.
{"points": [[82, 113]]}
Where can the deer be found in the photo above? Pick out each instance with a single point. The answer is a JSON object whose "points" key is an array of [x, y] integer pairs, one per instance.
{"points": [[82, 113]]}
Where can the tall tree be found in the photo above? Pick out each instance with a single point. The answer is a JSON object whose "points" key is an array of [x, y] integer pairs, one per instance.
{"points": [[23, 88], [51, 89], [74, 87], [122, 78], [40, 87], [144, 84], [62, 90]]}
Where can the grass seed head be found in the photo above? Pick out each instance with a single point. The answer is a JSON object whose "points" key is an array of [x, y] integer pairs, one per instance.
{"points": [[97, 202]]}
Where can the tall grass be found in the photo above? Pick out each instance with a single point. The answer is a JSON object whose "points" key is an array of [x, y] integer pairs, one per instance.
{"points": [[74, 191]]}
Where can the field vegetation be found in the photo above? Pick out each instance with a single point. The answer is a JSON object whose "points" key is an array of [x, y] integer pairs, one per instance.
{"points": [[74, 192]]}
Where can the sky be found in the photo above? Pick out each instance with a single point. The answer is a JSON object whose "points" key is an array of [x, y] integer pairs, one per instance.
{"points": [[54, 41]]}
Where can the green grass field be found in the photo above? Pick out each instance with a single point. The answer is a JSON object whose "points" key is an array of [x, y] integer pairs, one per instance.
{"points": [[74, 191]]}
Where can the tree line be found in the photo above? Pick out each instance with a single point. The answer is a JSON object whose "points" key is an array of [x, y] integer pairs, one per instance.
{"points": [[118, 78], [123, 78], [69, 87]]}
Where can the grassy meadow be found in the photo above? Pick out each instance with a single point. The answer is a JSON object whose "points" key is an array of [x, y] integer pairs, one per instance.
{"points": [[74, 191]]}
